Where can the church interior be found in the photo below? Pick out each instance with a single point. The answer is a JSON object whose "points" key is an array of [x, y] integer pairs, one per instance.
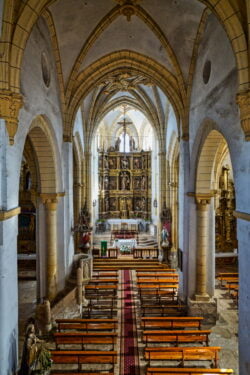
{"points": [[124, 176]]}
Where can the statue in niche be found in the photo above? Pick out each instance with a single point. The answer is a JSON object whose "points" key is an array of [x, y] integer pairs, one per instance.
{"points": [[106, 182], [111, 163], [112, 204], [106, 163], [131, 143], [143, 183], [117, 144], [129, 204], [106, 204], [112, 183], [137, 163], [125, 181], [143, 204], [124, 163], [123, 204], [137, 183]]}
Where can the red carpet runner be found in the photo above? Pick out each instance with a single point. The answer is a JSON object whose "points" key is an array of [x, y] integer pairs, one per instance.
{"points": [[129, 364]]}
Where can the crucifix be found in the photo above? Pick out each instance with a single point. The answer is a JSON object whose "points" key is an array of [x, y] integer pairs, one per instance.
{"points": [[124, 123]]}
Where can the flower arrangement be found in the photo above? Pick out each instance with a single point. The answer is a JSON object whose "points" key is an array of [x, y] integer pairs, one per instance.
{"points": [[43, 361]]}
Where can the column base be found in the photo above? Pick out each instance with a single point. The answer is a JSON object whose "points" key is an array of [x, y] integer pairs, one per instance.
{"points": [[172, 258], [201, 297], [205, 308]]}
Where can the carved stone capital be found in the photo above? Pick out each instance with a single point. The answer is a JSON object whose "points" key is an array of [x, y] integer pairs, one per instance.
{"points": [[10, 104], [243, 101], [50, 200]]}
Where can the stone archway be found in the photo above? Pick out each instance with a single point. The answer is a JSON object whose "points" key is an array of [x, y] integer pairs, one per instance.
{"points": [[44, 148]]}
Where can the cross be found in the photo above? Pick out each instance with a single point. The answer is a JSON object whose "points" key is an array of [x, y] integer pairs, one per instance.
{"points": [[124, 123]]}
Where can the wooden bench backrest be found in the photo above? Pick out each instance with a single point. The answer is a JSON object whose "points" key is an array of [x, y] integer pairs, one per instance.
{"points": [[187, 371], [176, 336], [208, 353], [88, 326], [171, 322], [84, 356], [85, 338]]}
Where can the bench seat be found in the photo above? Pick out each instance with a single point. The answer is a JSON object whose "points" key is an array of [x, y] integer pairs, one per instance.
{"points": [[182, 354], [187, 371], [179, 336]]}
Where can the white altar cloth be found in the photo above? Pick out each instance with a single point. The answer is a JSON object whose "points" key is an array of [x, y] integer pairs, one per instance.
{"points": [[130, 243]]}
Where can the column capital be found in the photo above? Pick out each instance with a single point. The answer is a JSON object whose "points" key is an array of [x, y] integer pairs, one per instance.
{"points": [[202, 200], [67, 138], [10, 104], [243, 101], [51, 199]]}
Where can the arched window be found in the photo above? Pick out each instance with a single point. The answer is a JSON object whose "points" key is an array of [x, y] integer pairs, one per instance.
{"points": [[124, 145]]}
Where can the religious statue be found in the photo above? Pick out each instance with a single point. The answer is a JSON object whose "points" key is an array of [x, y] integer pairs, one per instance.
{"points": [[111, 163], [106, 182], [125, 181], [29, 356], [165, 236], [137, 183], [143, 183], [137, 163], [117, 144], [106, 204], [123, 205], [124, 163], [112, 204], [106, 163], [131, 143]]}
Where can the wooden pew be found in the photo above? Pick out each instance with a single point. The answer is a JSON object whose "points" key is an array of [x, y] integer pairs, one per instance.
{"points": [[161, 309], [158, 281], [101, 281], [155, 271], [84, 338], [60, 372], [157, 276], [187, 371], [158, 290], [103, 306], [79, 358], [174, 322], [101, 290], [159, 295], [176, 336], [103, 274], [87, 324], [183, 354]]}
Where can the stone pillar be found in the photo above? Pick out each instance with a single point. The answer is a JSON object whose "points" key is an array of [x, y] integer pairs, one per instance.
{"points": [[243, 101], [87, 178], [202, 248], [51, 224]]}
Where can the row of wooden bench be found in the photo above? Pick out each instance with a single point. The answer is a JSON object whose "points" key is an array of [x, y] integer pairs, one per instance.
{"points": [[174, 330], [86, 332]]}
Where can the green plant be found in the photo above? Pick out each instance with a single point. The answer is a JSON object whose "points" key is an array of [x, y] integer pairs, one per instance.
{"points": [[43, 361]]}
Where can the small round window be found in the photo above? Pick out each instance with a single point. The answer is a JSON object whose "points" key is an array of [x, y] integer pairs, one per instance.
{"points": [[206, 71], [45, 69]]}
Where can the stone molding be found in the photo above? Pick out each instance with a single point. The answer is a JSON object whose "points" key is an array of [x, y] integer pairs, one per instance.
{"points": [[51, 199], [10, 104], [243, 101], [5, 215], [202, 199], [242, 215]]}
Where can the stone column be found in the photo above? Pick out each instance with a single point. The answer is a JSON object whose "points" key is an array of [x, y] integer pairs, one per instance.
{"points": [[51, 223], [202, 248], [243, 101]]}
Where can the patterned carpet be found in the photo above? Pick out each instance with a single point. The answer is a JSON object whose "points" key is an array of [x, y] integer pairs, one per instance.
{"points": [[129, 363]]}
